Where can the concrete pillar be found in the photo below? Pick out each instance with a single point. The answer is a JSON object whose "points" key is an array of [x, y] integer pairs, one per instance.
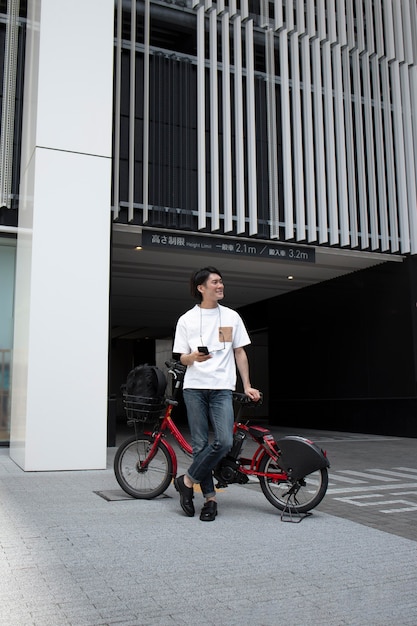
{"points": [[59, 375]]}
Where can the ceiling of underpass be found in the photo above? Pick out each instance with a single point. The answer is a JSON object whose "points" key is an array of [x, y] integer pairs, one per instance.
{"points": [[150, 287]]}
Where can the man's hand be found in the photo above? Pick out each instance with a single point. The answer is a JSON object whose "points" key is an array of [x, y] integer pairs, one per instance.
{"points": [[254, 394]]}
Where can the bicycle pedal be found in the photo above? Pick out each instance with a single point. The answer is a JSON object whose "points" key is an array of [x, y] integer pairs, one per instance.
{"points": [[221, 485]]}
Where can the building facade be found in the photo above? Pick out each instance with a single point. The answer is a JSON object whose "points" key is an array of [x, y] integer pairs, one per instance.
{"points": [[284, 121]]}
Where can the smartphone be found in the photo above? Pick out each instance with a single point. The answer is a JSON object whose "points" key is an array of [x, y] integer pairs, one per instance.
{"points": [[203, 349]]}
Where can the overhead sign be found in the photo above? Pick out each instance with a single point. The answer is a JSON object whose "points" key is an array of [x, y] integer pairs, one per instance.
{"points": [[221, 245]]}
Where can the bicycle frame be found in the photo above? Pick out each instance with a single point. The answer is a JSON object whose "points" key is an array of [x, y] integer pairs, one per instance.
{"points": [[292, 471], [266, 441], [158, 435]]}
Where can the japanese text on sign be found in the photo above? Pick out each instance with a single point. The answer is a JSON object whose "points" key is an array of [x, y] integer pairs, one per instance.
{"points": [[197, 243]]}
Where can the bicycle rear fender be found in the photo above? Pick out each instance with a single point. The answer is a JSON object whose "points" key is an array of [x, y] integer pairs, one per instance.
{"points": [[300, 456]]}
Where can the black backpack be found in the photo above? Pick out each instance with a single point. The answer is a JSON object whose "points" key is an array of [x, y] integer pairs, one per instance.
{"points": [[146, 381]]}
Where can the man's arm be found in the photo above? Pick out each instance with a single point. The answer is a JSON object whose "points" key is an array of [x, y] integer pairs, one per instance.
{"points": [[243, 367]]}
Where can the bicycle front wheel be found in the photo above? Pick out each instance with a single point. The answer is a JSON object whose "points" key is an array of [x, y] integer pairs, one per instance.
{"points": [[139, 481], [293, 496]]}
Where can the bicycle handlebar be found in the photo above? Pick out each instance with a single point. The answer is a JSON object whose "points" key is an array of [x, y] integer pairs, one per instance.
{"points": [[242, 398]]}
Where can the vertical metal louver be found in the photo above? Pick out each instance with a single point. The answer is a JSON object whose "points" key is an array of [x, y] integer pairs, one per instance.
{"points": [[300, 120], [9, 104]]}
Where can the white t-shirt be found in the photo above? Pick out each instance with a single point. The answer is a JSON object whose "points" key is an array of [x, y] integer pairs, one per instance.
{"points": [[220, 329]]}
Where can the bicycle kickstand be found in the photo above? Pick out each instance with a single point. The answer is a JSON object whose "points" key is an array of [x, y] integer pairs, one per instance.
{"points": [[287, 511]]}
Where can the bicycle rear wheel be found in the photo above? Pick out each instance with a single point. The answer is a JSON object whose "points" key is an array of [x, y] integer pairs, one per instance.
{"points": [[138, 481], [293, 496]]}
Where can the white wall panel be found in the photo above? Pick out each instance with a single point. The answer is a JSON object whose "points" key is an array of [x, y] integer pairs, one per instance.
{"points": [[73, 92], [59, 386]]}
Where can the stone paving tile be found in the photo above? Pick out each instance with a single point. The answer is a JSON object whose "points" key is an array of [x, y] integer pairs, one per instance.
{"points": [[69, 557]]}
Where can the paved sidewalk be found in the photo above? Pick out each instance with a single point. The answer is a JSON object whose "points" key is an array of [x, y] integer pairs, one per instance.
{"points": [[69, 556]]}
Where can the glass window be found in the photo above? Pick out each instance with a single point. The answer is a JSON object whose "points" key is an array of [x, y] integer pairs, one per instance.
{"points": [[7, 276]]}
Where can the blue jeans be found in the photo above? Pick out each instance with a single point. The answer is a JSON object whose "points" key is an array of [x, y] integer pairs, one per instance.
{"points": [[206, 406]]}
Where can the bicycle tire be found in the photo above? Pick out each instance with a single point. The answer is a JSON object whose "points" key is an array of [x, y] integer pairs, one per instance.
{"points": [[142, 484], [312, 488]]}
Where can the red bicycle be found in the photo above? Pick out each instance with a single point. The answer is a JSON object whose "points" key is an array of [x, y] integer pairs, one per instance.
{"points": [[292, 471]]}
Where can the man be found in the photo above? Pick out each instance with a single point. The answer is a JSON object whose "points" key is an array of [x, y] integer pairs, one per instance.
{"points": [[210, 339]]}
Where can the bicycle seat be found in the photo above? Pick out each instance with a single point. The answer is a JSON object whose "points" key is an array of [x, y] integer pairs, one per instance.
{"points": [[258, 432]]}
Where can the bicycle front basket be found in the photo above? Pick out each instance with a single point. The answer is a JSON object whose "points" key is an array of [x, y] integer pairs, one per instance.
{"points": [[141, 409]]}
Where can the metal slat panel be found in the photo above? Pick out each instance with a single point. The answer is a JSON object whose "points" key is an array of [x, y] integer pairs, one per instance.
{"points": [[311, 19], [272, 135], [388, 30], [145, 148], [227, 129], [286, 136], [239, 147], [117, 95], [406, 27], [300, 17], [409, 155], [264, 14], [321, 19], [413, 26], [332, 204], [369, 23], [244, 9], [398, 31], [251, 130], [342, 185], [214, 124], [359, 25], [379, 153], [370, 153], [350, 150], [309, 173], [400, 157], [341, 22], [350, 23], [10, 65], [289, 16], [298, 157], [278, 18], [389, 156], [378, 29], [331, 22], [132, 112], [201, 127], [319, 142], [413, 96], [360, 151]]}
